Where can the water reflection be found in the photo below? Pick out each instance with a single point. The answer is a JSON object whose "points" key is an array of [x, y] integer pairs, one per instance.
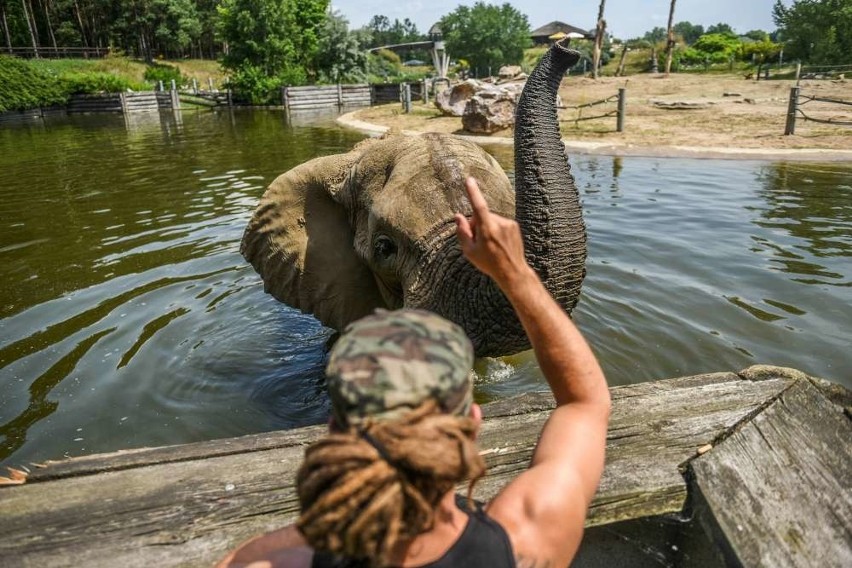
{"points": [[818, 215]]}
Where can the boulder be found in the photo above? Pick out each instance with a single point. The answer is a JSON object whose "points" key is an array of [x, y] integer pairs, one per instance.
{"points": [[452, 101], [509, 71], [489, 112]]}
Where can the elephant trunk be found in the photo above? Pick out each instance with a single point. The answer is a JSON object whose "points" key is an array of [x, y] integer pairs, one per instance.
{"points": [[547, 204], [447, 284]]}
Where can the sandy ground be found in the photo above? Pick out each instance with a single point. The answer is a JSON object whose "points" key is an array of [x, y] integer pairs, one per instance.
{"points": [[735, 113]]}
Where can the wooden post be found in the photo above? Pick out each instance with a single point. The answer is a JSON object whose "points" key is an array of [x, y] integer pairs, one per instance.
{"points": [[791, 112], [285, 97], [406, 98], [123, 97], [194, 86], [175, 96], [160, 86], [230, 100], [424, 91], [622, 96], [798, 72], [339, 96], [210, 83]]}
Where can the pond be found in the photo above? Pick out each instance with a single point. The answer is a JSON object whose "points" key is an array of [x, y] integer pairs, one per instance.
{"points": [[128, 317]]}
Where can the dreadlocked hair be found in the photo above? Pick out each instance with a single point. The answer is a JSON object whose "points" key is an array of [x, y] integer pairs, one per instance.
{"points": [[359, 504]]}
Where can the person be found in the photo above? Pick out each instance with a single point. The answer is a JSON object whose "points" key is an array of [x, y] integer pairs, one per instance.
{"points": [[379, 489]]}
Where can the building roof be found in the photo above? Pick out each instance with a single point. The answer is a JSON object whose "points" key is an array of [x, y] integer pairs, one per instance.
{"points": [[554, 27]]}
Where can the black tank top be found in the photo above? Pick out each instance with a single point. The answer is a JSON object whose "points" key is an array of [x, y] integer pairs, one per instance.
{"points": [[483, 542]]}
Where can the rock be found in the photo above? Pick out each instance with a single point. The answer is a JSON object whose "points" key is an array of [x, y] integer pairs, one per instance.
{"points": [[681, 105], [452, 101], [731, 95], [489, 112], [509, 71]]}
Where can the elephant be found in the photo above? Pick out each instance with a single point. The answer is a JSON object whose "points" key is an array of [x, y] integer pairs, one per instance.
{"points": [[342, 235]]}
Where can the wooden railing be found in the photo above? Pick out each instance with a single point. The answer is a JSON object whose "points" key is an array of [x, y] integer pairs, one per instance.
{"points": [[57, 52]]}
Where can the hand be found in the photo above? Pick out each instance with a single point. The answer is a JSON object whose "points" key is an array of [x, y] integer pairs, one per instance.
{"points": [[493, 244]]}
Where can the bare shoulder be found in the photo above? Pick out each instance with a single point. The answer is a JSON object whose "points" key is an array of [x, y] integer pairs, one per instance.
{"points": [[543, 512], [282, 547]]}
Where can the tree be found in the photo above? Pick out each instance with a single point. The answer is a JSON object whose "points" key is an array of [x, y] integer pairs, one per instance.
{"points": [[689, 32], [599, 36], [486, 35], [816, 31], [340, 54], [275, 36], [656, 35], [721, 28], [670, 41]]}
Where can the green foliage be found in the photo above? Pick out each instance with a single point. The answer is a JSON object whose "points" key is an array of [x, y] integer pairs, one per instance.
{"points": [[82, 83], [656, 35], [721, 29], [486, 35], [711, 48], [23, 87], [816, 31], [340, 55], [252, 85], [276, 36], [382, 32], [762, 51], [688, 31], [165, 73]]}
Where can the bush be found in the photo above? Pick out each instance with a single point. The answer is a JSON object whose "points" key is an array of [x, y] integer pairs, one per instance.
{"points": [[23, 87], [251, 85], [166, 73], [86, 83]]}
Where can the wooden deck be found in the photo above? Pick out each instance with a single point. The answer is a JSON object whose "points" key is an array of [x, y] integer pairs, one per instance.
{"points": [[762, 459]]}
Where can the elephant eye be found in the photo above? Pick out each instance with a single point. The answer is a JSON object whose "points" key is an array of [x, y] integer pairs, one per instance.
{"points": [[384, 248]]}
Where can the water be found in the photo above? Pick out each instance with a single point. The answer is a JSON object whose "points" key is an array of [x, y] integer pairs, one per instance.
{"points": [[128, 317]]}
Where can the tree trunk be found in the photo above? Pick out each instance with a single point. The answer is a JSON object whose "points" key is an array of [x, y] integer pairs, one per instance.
{"points": [[599, 36], [45, 6], [6, 27], [670, 42], [620, 71], [80, 22], [30, 28]]}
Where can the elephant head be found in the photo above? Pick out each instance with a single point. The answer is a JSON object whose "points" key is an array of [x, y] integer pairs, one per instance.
{"points": [[342, 235]]}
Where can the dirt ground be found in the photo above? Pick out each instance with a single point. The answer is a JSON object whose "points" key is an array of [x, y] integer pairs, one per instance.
{"points": [[734, 112]]}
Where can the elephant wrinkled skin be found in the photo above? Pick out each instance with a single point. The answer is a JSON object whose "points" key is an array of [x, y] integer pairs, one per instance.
{"points": [[342, 235]]}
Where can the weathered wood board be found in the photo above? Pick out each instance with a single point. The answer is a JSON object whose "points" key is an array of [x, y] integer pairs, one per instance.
{"points": [[186, 505], [779, 489]]}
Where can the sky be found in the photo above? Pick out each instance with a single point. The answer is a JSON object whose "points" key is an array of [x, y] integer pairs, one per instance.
{"points": [[625, 18]]}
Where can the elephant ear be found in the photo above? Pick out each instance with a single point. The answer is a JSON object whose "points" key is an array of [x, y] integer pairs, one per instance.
{"points": [[301, 243]]}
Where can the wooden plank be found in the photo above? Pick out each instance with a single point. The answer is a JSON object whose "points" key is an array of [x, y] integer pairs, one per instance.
{"points": [[201, 499], [780, 488]]}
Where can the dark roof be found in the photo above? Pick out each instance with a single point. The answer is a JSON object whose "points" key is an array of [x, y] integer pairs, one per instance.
{"points": [[435, 29], [548, 30]]}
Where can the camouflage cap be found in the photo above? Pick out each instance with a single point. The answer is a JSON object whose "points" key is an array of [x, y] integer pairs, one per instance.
{"points": [[389, 363]]}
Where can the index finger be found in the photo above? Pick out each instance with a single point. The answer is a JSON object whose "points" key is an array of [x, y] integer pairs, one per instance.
{"points": [[477, 200]]}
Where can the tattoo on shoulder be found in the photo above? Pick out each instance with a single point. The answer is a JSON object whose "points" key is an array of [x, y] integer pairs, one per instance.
{"points": [[524, 561]]}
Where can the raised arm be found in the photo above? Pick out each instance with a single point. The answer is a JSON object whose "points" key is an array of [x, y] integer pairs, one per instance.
{"points": [[544, 509]]}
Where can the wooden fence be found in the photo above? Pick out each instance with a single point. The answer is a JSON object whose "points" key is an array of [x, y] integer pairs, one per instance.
{"points": [[119, 103], [619, 113], [795, 111], [321, 97], [57, 52]]}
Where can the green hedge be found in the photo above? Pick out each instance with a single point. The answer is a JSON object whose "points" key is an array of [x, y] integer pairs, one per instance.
{"points": [[23, 87]]}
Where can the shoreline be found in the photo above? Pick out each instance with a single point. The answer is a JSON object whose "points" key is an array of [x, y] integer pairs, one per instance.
{"points": [[350, 120]]}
